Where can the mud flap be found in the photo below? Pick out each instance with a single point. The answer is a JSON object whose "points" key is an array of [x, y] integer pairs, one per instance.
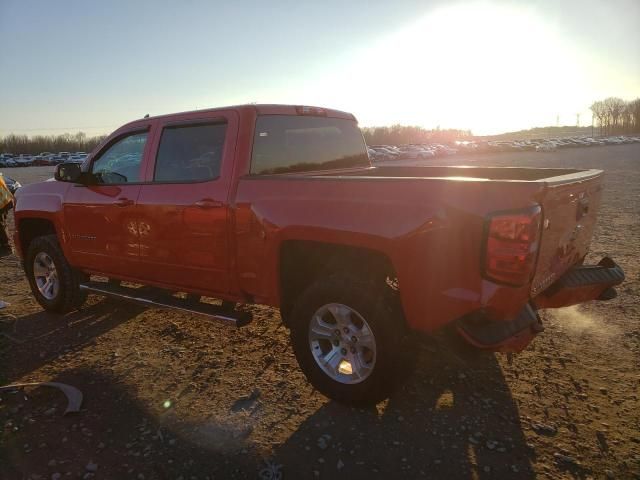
{"points": [[582, 284]]}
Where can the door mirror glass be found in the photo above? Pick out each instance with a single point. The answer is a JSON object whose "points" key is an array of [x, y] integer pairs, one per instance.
{"points": [[68, 172]]}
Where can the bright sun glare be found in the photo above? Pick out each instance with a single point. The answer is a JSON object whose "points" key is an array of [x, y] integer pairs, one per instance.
{"points": [[485, 67]]}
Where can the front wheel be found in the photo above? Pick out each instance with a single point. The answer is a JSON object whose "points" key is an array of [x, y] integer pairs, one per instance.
{"points": [[54, 283], [348, 337]]}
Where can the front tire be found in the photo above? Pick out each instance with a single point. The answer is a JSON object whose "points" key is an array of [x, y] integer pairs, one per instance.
{"points": [[54, 283], [348, 337]]}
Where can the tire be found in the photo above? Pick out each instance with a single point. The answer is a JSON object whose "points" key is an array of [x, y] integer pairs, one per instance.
{"points": [[67, 296], [386, 363]]}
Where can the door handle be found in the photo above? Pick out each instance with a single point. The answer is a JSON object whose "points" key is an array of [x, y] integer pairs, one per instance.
{"points": [[207, 203], [123, 202]]}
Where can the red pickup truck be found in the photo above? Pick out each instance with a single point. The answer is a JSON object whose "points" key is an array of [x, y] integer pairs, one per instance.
{"points": [[280, 205]]}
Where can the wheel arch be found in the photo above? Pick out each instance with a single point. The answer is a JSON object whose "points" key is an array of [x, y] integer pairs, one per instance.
{"points": [[302, 262], [29, 228]]}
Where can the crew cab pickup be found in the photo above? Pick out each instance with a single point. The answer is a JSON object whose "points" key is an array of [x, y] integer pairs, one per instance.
{"points": [[280, 205]]}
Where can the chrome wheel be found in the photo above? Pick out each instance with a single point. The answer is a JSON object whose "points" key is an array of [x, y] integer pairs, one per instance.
{"points": [[342, 343], [46, 276]]}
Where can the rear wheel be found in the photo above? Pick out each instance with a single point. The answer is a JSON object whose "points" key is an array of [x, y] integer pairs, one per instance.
{"points": [[348, 337], [54, 283]]}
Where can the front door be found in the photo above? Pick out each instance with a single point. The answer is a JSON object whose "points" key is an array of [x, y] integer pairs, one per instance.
{"points": [[182, 208], [100, 218]]}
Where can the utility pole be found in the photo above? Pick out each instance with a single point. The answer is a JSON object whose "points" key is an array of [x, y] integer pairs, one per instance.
{"points": [[557, 120], [577, 119]]}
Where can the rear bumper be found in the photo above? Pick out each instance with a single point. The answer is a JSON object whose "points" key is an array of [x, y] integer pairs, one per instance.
{"points": [[581, 284], [500, 335]]}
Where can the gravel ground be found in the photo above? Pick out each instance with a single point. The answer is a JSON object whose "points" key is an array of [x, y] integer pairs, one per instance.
{"points": [[168, 395]]}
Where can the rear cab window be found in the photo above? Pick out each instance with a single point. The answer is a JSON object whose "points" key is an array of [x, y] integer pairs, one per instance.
{"points": [[297, 143]]}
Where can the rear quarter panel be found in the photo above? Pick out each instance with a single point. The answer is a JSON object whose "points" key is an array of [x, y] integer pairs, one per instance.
{"points": [[431, 229]]}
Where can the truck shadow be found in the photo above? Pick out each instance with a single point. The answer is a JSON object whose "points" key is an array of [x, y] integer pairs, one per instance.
{"points": [[453, 419], [33, 340]]}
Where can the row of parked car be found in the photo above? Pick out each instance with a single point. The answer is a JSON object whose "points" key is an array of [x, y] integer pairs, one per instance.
{"points": [[382, 152], [554, 144], [44, 158], [411, 152], [426, 151]]}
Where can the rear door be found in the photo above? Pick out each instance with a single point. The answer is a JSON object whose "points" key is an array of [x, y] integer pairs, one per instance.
{"points": [[570, 210], [100, 218], [183, 207]]}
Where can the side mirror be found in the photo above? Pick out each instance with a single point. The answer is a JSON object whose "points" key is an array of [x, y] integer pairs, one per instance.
{"points": [[68, 172]]}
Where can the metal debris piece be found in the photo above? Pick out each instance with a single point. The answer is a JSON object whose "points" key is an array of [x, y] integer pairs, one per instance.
{"points": [[74, 396]]}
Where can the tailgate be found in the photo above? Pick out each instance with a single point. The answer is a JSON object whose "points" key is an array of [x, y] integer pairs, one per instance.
{"points": [[569, 207]]}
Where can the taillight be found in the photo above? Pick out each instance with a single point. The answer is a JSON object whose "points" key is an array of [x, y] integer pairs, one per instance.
{"points": [[512, 241]]}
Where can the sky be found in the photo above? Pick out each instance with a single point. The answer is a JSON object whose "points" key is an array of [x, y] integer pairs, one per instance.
{"points": [[489, 66]]}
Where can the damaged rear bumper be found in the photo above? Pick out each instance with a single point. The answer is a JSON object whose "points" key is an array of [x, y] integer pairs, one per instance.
{"points": [[580, 284], [500, 335]]}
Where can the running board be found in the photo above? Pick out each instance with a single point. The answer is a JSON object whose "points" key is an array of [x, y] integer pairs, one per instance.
{"points": [[158, 298]]}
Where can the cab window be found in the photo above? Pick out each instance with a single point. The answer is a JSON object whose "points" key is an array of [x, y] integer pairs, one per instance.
{"points": [[120, 163], [295, 143], [190, 153]]}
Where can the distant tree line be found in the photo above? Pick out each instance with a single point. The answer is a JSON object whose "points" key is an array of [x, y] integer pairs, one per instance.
{"points": [[48, 143], [401, 134], [615, 116]]}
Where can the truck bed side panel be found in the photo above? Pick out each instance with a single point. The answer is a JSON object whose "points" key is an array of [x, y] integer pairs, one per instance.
{"points": [[430, 229]]}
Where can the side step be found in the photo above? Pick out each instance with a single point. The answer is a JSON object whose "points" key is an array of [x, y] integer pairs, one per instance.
{"points": [[163, 299]]}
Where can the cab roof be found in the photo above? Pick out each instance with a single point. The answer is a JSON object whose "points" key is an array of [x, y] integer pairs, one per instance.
{"points": [[259, 109]]}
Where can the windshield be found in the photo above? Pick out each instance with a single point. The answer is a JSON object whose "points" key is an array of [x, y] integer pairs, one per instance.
{"points": [[293, 143]]}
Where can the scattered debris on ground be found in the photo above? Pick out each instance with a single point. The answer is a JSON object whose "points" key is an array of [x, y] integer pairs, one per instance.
{"points": [[173, 396]]}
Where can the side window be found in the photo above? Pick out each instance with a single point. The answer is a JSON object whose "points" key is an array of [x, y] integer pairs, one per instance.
{"points": [[120, 163], [190, 153]]}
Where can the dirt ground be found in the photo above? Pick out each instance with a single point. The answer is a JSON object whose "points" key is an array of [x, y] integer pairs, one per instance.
{"points": [[173, 396]]}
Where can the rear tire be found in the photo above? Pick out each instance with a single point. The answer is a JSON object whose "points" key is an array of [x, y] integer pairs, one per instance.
{"points": [[54, 283], [350, 340]]}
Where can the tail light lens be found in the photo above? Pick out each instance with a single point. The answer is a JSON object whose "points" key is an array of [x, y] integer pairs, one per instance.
{"points": [[512, 241]]}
